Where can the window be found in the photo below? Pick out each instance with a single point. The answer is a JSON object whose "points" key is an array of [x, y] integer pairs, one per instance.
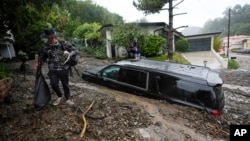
{"points": [[135, 77], [128, 76], [111, 72], [166, 84], [163, 84]]}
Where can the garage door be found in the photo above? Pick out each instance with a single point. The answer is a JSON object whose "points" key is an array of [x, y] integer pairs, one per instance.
{"points": [[203, 44]]}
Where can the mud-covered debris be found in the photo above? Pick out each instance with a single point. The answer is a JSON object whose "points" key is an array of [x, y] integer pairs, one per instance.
{"points": [[116, 115]]}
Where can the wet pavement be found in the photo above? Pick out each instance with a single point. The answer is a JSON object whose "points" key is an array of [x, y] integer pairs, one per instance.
{"points": [[198, 58], [202, 58]]}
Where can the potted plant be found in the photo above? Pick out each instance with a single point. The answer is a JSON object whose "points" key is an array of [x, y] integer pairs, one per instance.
{"points": [[5, 80]]}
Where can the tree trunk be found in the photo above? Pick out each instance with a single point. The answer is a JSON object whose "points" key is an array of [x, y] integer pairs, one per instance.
{"points": [[170, 32]]}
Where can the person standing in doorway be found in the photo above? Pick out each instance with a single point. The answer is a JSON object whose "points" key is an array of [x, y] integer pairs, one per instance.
{"points": [[55, 52]]}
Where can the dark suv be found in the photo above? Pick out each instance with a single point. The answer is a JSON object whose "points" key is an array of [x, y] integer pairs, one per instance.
{"points": [[195, 86]]}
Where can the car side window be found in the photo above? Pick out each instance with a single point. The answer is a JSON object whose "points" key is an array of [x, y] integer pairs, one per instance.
{"points": [[111, 72], [165, 84], [134, 77]]}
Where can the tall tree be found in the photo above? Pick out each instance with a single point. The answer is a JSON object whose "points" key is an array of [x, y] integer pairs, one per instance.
{"points": [[90, 32], [155, 6], [89, 12], [124, 34], [239, 22], [28, 18]]}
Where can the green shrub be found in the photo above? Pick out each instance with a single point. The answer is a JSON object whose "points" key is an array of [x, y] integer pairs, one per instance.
{"points": [[98, 52], [182, 45], [217, 44], [153, 45], [233, 64], [89, 31], [178, 58], [88, 50]]}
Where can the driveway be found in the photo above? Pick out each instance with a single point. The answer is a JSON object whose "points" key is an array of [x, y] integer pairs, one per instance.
{"points": [[198, 58]]}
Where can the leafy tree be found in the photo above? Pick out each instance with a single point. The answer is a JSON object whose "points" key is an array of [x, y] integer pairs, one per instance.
{"points": [[150, 6], [28, 18], [217, 44], [182, 45], [90, 32], [70, 28], [59, 18], [240, 29], [88, 12], [239, 22], [37, 22], [210, 27], [26, 27], [124, 34]]}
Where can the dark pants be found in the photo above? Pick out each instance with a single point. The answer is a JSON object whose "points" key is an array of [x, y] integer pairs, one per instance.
{"points": [[62, 75]]}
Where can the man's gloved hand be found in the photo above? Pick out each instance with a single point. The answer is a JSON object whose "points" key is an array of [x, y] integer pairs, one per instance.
{"points": [[66, 53], [50, 52]]}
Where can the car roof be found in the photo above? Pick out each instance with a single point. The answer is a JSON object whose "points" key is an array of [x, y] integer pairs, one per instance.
{"points": [[168, 67]]}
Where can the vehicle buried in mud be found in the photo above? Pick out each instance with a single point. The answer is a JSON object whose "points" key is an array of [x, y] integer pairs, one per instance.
{"points": [[191, 85]]}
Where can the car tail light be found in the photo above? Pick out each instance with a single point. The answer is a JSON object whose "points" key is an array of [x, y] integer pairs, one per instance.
{"points": [[216, 113]]}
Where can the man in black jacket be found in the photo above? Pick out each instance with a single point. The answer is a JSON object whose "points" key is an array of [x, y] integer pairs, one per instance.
{"points": [[56, 51]]}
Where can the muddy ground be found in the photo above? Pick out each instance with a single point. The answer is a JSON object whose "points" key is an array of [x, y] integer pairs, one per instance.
{"points": [[118, 116]]}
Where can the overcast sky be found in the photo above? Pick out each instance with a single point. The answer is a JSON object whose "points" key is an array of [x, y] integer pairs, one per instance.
{"points": [[198, 11]]}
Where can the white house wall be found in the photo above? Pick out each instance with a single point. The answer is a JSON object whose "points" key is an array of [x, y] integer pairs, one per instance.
{"points": [[119, 51], [151, 31], [108, 43]]}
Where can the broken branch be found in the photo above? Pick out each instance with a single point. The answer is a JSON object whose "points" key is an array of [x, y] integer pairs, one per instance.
{"points": [[84, 119]]}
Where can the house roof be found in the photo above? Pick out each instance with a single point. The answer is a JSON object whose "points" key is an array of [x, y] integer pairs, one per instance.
{"points": [[153, 24], [205, 34], [105, 26], [141, 24], [147, 24], [192, 30], [163, 24]]}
